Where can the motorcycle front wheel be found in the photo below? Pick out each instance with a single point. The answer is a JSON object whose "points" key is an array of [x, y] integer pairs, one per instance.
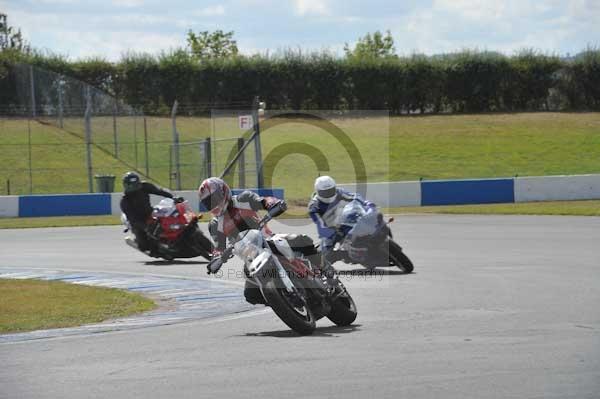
{"points": [[398, 258], [343, 309], [293, 311]]}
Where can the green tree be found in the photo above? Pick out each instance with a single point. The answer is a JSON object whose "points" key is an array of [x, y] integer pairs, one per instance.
{"points": [[374, 45], [217, 44], [11, 38]]}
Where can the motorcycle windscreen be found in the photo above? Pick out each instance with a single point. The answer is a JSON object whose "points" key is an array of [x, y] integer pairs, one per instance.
{"points": [[165, 207], [366, 225]]}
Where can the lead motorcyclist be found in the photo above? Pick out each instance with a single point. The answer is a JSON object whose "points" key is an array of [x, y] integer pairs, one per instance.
{"points": [[135, 204], [236, 213], [324, 207]]}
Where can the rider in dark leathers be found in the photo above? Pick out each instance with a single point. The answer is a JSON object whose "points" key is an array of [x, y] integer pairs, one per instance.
{"points": [[135, 204]]}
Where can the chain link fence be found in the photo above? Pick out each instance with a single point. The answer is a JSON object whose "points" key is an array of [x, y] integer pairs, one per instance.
{"points": [[64, 133], [214, 142]]}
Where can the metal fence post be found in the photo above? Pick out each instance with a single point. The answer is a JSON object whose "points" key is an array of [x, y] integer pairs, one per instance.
{"points": [[257, 147], [32, 87], [88, 138], [176, 146], [115, 139], [135, 148], [30, 157], [241, 163], [208, 156], [171, 167], [146, 147], [60, 102]]}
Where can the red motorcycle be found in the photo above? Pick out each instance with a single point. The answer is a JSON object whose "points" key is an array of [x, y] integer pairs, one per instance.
{"points": [[174, 229]]}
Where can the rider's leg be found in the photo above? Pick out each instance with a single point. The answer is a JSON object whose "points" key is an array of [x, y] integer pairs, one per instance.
{"points": [[144, 242]]}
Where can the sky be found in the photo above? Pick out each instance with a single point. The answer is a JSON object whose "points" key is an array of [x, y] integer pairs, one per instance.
{"points": [[108, 29]]}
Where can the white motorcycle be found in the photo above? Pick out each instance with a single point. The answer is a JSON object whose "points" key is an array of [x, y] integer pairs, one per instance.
{"points": [[296, 291]]}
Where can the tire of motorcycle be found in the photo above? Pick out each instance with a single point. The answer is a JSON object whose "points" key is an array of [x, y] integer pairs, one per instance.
{"points": [[303, 325], [343, 311], [398, 258], [201, 243]]}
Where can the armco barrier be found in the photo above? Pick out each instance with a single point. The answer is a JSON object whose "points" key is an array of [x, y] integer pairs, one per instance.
{"points": [[467, 192], [394, 194], [89, 204], [557, 188], [64, 204], [406, 193], [9, 206]]}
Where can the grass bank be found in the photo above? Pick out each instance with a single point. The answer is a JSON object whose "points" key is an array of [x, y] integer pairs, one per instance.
{"points": [[566, 208], [27, 305], [398, 148]]}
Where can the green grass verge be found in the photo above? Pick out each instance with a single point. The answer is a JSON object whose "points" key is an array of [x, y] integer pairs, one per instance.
{"points": [[394, 149], [27, 305], [570, 208], [59, 221]]}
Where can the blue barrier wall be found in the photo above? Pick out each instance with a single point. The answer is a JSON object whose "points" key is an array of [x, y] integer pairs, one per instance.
{"points": [[88, 204], [435, 192], [456, 192], [64, 205]]}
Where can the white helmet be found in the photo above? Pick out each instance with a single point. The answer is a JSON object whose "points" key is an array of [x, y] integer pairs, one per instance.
{"points": [[325, 189], [214, 195]]}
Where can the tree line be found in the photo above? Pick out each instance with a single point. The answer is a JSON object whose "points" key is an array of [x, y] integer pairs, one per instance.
{"points": [[369, 77]]}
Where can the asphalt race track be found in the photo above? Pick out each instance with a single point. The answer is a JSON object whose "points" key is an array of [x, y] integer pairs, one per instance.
{"points": [[498, 307]]}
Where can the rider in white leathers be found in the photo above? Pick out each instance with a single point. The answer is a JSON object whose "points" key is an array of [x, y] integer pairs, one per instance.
{"points": [[324, 207]]}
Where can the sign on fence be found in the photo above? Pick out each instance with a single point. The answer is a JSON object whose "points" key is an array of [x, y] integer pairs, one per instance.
{"points": [[245, 122]]}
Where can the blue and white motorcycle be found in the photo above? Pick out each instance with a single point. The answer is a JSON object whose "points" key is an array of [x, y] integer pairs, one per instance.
{"points": [[367, 240]]}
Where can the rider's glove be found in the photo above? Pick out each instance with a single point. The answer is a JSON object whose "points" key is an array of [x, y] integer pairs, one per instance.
{"points": [[214, 265], [218, 259], [277, 209]]}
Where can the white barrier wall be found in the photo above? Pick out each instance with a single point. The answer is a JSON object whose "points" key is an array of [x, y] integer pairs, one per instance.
{"points": [[392, 194], [557, 188], [9, 206], [190, 196]]}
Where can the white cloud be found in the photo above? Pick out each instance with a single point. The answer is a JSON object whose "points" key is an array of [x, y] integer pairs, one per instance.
{"points": [[311, 7], [50, 2], [114, 44], [472, 9], [210, 11], [441, 26], [128, 3]]}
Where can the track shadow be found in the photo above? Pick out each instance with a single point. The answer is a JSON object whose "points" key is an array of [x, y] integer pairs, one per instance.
{"points": [[163, 262], [374, 272], [331, 331]]}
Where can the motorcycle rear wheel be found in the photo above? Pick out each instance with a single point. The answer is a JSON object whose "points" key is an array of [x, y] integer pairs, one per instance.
{"points": [[201, 244], [398, 258], [287, 312]]}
